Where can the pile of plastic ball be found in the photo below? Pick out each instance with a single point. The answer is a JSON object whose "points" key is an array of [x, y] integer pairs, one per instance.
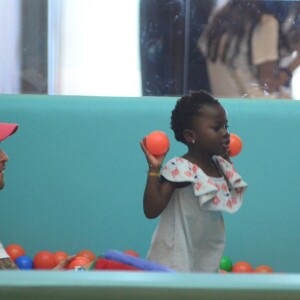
{"points": [[47, 260], [227, 266]]}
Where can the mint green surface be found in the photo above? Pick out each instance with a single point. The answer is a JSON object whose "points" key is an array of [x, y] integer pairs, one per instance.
{"points": [[36, 285], [76, 175]]}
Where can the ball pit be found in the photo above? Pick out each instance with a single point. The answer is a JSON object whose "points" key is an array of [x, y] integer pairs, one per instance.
{"points": [[226, 266]]}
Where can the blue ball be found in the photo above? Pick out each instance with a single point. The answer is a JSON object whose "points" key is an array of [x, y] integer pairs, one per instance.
{"points": [[24, 262]]}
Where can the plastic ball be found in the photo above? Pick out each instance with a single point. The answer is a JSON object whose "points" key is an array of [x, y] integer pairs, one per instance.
{"points": [[44, 260], [242, 267], [87, 254], [24, 262], [263, 269], [157, 143], [78, 261], [226, 264], [14, 251], [131, 252], [235, 145], [59, 256]]}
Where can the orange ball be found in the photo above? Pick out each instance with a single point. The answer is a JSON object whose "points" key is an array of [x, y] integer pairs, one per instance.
{"points": [[78, 261], [14, 251], [157, 143], [242, 267], [131, 252], [44, 260], [87, 254], [59, 256], [263, 269], [235, 145]]}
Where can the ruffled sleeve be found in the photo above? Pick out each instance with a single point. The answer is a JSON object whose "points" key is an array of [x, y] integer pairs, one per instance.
{"points": [[205, 189]]}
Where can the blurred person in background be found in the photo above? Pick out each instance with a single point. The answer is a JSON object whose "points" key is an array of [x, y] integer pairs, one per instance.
{"points": [[245, 48]]}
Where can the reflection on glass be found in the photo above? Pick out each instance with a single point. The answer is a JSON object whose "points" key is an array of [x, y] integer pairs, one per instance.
{"points": [[249, 52], [9, 50], [140, 47]]}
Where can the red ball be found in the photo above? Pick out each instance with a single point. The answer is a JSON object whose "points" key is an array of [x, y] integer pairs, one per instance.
{"points": [[242, 267], [235, 145], [157, 143], [78, 261], [91, 256], [15, 251], [263, 269], [59, 256], [131, 252], [44, 260]]}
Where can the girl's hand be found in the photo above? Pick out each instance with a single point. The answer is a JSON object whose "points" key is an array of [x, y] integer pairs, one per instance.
{"points": [[153, 161]]}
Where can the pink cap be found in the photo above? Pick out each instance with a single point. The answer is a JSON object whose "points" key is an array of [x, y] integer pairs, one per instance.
{"points": [[7, 129]]}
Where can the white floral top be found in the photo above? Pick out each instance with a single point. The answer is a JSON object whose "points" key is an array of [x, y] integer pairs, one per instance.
{"points": [[190, 236]]}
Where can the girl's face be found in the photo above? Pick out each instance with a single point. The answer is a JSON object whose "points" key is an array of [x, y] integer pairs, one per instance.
{"points": [[210, 130]]}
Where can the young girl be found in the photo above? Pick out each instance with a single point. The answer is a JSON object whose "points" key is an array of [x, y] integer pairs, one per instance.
{"points": [[192, 191]]}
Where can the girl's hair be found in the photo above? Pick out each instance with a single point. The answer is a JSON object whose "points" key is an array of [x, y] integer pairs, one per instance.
{"points": [[232, 22], [186, 107]]}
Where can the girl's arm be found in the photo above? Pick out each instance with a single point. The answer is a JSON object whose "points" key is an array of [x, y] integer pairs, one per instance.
{"points": [[156, 196], [157, 192]]}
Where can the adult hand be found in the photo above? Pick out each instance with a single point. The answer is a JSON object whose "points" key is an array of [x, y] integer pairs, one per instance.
{"points": [[64, 263]]}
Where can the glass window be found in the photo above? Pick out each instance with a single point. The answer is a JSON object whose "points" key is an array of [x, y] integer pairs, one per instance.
{"points": [[142, 47]]}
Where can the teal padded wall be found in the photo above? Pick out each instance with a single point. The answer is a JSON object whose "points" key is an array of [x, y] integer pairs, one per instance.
{"points": [[76, 175]]}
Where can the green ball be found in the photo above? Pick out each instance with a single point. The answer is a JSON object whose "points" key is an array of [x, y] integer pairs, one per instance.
{"points": [[226, 264]]}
